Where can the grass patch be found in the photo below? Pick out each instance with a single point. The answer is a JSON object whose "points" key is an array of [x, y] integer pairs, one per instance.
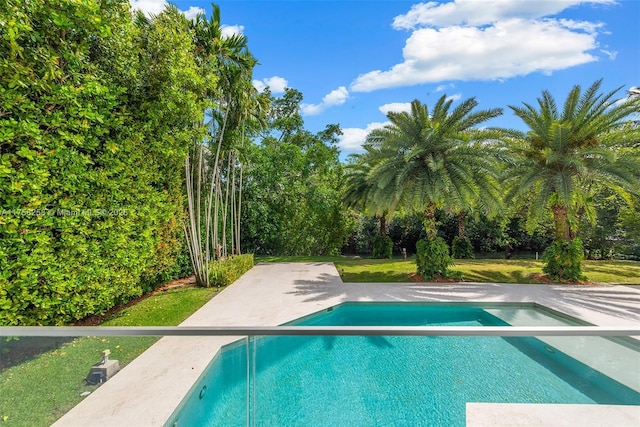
{"points": [[376, 270], [614, 272], [39, 391], [399, 270], [497, 270], [356, 269], [166, 308]]}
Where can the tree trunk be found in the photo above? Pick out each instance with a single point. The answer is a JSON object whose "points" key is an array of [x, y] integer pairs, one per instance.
{"points": [[461, 224], [430, 221], [239, 211], [561, 220], [383, 226]]}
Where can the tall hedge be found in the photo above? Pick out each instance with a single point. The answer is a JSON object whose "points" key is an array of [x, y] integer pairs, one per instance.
{"points": [[96, 116]]}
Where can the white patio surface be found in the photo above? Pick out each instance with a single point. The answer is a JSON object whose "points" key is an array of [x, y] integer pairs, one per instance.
{"points": [[149, 389]]}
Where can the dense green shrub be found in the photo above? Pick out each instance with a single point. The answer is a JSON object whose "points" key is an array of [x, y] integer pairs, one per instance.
{"points": [[462, 248], [292, 200], [405, 231], [97, 115], [363, 231], [382, 247], [226, 271], [563, 260], [432, 258]]}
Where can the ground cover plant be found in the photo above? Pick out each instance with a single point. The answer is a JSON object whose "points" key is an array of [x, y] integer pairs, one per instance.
{"points": [[39, 391]]}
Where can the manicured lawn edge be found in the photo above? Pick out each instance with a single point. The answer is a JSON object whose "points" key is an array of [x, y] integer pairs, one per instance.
{"points": [[39, 391], [521, 271]]}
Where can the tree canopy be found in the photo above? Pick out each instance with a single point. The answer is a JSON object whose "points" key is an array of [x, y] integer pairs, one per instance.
{"points": [[568, 154], [98, 112]]}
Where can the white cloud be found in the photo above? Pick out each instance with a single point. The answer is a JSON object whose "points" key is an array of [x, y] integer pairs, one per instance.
{"points": [[149, 7], [631, 93], [487, 40], [155, 7], [611, 54], [192, 12], [277, 84], [444, 87], [478, 13], [352, 139], [508, 48], [454, 97], [586, 26], [397, 107], [335, 97], [230, 30]]}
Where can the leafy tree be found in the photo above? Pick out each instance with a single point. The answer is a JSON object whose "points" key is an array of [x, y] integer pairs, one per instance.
{"points": [[363, 231], [406, 230], [362, 193], [614, 233], [564, 152], [433, 159], [630, 226], [293, 188]]}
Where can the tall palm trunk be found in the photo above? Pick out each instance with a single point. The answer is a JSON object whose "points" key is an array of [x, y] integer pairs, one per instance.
{"points": [[461, 224], [383, 226], [217, 178], [430, 221], [232, 222], [239, 209], [195, 176], [225, 210], [239, 212], [561, 220]]}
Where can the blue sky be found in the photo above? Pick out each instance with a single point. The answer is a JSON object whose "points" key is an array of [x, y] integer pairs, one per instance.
{"points": [[355, 60]]}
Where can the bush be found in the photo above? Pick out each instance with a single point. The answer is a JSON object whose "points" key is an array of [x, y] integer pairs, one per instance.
{"points": [[95, 128], [432, 258], [462, 248], [563, 260], [382, 247], [227, 271]]}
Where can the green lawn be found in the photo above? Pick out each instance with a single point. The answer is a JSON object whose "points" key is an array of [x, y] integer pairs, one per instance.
{"points": [[39, 391], [356, 269]]}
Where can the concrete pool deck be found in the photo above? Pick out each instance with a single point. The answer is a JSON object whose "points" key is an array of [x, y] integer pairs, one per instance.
{"points": [[150, 388]]}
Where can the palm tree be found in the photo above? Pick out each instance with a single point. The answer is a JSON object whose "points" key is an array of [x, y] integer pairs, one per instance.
{"points": [[363, 193], [230, 63], [435, 160], [557, 161], [428, 160], [214, 169]]}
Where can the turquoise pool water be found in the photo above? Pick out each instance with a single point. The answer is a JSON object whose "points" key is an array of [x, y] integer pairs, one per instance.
{"points": [[396, 381]]}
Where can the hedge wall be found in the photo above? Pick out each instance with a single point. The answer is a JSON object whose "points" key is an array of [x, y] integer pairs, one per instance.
{"points": [[96, 116]]}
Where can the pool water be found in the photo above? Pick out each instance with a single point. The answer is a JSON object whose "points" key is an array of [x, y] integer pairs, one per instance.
{"points": [[399, 381]]}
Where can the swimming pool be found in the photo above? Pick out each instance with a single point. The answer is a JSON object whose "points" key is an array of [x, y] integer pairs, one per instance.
{"points": [[363, 381]]}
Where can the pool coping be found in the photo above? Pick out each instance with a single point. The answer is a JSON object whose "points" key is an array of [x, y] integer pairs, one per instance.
{"points": [[148, 390]]}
